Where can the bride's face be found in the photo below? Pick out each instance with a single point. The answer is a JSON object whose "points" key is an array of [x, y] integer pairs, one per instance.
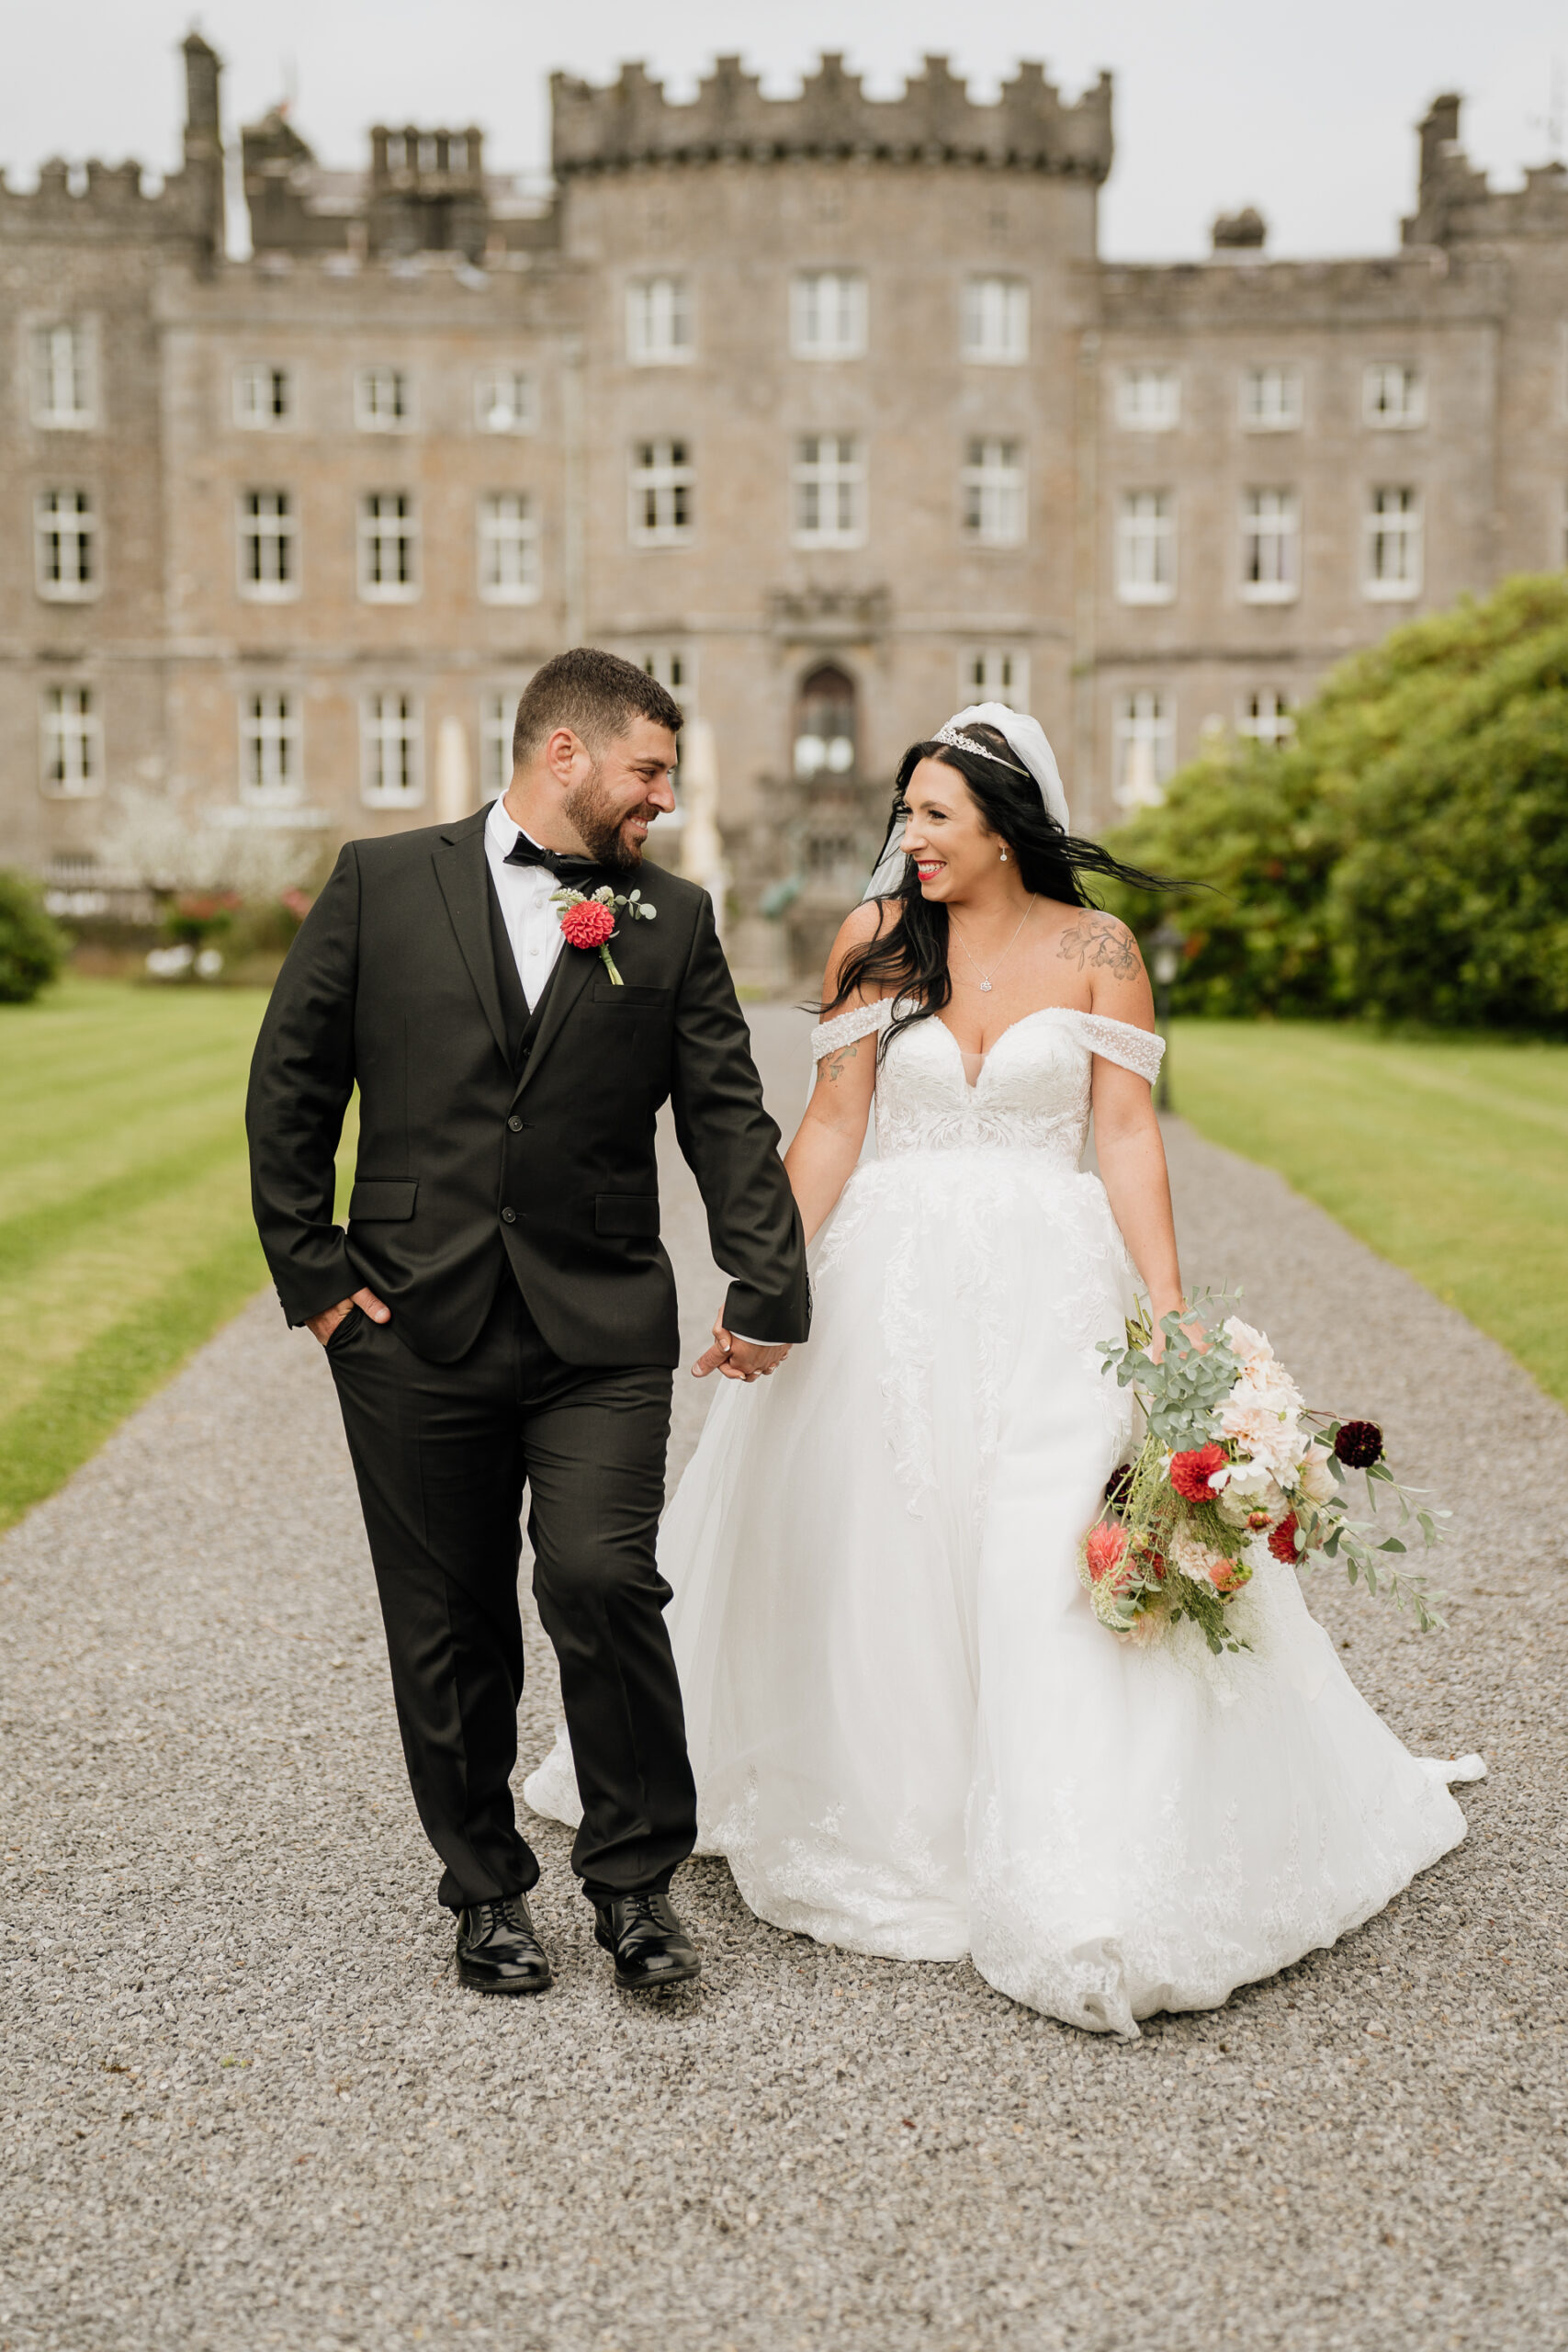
{"points": [[945, 834]]}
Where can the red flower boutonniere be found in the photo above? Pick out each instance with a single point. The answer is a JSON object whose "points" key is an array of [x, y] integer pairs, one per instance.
{"points": [[588, 920]]}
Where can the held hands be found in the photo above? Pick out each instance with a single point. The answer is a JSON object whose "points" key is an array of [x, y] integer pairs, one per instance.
{"points": [[737, 1358], [322, 1327]]}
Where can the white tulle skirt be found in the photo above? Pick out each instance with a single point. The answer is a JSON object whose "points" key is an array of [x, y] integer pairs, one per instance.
{"points": [[910, 1736]]}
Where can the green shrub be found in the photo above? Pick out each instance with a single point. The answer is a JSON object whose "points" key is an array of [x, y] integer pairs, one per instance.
{"points": [[1406, 856], [32, 945]]}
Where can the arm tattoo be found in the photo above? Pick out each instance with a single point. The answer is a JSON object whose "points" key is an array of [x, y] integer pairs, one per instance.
{"points": [[834, 1067], [1103, 942]]}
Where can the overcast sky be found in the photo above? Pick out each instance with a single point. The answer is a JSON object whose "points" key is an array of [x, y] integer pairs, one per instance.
{"points": [[1306, 112]]}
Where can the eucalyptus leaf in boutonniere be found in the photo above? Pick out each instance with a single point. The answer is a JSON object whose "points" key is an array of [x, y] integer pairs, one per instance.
{"points": [[588, 919]]}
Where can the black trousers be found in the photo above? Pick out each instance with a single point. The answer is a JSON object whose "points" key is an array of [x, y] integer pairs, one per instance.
{"points": [[441, 1454]]}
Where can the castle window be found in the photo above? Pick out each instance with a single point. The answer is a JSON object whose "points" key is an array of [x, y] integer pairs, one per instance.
{"points": [[1393, 395], [826, 728], [661, 482], [62, 378], [1394, 546], [383, 400], [66, 546], [71, 743], [993, 492], [1265, 717], [391, 751], [1146, 548], [498, 713], [1148, 399], [1270, 400], [996, 321], [1145, 746], [270, 773], [828, 482], [389, 548], [269, 564], [264, 396], [827, 314], [509, 548], [994, 673], [659, 321], [1271, 546], [506, 400], [674, 668]]}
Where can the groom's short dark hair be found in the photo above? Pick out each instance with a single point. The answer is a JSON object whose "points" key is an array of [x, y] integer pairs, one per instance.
{"points": [[597, 695]]}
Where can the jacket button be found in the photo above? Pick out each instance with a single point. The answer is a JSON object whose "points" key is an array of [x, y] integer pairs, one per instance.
{"points": [[515, 1125], [509, 1217]]}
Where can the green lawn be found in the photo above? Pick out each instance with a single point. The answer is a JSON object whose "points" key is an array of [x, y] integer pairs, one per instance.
{"points": [[1449, 1157], [125, 1225]]}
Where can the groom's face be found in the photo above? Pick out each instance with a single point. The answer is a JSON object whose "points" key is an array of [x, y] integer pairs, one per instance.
{"points": [[627, 788]]}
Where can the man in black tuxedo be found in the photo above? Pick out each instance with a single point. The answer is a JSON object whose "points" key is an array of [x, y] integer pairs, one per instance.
{"points": [[500, 1310]]}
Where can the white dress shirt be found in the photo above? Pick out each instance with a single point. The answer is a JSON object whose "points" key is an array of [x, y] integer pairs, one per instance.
{"points": [[533, 925]]}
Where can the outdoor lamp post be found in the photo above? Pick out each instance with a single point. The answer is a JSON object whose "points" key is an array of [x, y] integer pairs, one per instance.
{"points": [[1166, 946]]}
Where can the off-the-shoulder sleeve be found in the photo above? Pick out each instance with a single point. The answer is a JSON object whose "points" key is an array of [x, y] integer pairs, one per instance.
{"points": [[1120, 1041], [848, 1028]]}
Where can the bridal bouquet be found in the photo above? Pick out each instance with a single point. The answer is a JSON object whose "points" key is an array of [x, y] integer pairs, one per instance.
{"points": [[1234, 1457]]}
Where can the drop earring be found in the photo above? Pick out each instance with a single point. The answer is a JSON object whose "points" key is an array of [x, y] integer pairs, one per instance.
{"points": [[1004, 857]]}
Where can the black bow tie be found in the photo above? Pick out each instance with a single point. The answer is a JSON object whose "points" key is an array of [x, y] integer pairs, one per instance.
{"points": [[566, 868]]}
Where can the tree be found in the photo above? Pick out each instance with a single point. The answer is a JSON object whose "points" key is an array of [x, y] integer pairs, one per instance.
{"points": [[32, 945]]}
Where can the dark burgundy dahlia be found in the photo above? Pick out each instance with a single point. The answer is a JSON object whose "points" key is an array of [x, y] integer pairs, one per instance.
{"points": [[1119, 1486], [1358, 1444]]}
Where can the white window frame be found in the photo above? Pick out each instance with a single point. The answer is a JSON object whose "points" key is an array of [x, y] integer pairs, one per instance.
{"points": [[63, 356], [70, 740], [994, 328], [827, 314], [271, 745], [267, 541], [662, 484], [660, 327], [1396, 554], [1265, 716], [827, 491], [995, 512], [75, 583], [1271, 399], [1145, 547], [993, 673], [378, 532], [506, 400], [1148, 397], [676, 667], [264, 396], [1144, 734], [498, 716], [384, 400], [507, 538], [1271, 546], [1393, 395], [391, 719]]}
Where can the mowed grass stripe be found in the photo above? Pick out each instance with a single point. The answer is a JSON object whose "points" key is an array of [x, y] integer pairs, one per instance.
{"points": [[1449, 1160]]}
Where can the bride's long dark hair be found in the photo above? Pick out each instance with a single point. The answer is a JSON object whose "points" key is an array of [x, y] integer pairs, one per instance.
{"points": [[911, 950]]}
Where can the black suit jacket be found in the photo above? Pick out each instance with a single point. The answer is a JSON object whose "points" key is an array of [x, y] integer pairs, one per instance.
{"points": [[475, 1149]]}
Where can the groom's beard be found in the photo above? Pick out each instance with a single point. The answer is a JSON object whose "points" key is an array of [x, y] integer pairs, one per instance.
{"points": [[598, 823]]}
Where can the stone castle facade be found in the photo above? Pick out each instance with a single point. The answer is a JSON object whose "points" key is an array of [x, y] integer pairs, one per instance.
{"points": [[825, 408]]}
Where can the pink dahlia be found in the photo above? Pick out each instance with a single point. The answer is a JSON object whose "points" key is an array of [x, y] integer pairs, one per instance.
{"points": [[589, 924], [1105, 1550]]}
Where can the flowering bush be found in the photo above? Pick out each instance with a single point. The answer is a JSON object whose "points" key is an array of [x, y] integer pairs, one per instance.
{"points": [[1234, 1459]]}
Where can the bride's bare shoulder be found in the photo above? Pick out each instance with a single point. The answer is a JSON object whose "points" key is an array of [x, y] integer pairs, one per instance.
{"points": [[862, 927]]}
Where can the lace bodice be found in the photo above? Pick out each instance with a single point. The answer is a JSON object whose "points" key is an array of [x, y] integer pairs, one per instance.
{"points": [[1031, 1092]]}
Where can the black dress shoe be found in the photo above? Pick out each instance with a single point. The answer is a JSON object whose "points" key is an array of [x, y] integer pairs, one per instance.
{"points": [[649, 1944], [498, 1950]]}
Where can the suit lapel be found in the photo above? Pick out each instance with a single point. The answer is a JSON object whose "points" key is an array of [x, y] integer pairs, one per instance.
{"points": [[460, 869], [574, 969]]}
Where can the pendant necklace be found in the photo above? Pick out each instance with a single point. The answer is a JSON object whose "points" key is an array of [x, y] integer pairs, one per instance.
{"points": [[984, 978]]}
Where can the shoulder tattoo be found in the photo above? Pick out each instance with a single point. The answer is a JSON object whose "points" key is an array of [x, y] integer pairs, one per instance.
{"points": [[1102, 942]]}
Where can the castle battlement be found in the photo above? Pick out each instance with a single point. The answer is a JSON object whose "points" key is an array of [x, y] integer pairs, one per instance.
{"points": [[107, 203], [1457, 204], [631, 122]]}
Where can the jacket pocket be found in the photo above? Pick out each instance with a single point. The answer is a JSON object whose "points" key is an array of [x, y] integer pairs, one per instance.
{"points": [[376, 1201], [626, 1214], [606, 992]]}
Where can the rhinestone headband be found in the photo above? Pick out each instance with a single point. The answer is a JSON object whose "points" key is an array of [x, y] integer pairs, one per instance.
{"points": [[961, 743]]}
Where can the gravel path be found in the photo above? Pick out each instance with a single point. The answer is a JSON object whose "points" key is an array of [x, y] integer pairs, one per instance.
{"points": [[247, 2105]]}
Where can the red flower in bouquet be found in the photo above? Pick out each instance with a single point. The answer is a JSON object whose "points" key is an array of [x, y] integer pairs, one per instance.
{"points": [[1190, 1473], [587, 924], [1105, 1550], [1282, 1541]]}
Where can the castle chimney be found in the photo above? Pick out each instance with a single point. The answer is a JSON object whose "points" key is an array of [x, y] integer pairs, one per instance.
{"points": [[1244, 232], [1439, 140], [202, 70], [204, 141]]}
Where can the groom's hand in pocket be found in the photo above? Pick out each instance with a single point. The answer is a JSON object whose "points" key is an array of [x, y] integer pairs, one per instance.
{"points": [[324, 1325], [738, 1359]]}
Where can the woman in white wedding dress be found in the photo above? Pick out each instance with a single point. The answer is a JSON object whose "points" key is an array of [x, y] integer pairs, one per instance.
{"points": [[909, 1733]]}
